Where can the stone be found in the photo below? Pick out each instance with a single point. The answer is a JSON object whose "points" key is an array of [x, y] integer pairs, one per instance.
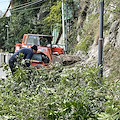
{"points": [[114, 34]]}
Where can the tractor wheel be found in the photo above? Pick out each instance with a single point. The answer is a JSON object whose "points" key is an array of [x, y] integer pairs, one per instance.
{"points": [[38, 66]]}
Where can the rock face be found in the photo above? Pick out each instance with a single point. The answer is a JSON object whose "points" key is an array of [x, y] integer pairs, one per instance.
{"points": [[114, 34]]}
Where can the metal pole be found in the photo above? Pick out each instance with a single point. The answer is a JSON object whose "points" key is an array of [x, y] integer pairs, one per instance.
{"points": [[63, 24], [66, 26], [100, 42], [7, 33]]}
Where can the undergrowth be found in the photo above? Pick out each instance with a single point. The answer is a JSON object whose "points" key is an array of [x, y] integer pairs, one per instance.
{"points": [[58, 92]]}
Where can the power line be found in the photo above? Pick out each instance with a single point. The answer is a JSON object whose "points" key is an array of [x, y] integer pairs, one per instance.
{"points": [[30, 3], [26, 9], [17, 8], [23, 4]]}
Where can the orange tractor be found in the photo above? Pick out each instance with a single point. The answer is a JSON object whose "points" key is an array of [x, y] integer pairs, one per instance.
{"points": [[45, 52]]}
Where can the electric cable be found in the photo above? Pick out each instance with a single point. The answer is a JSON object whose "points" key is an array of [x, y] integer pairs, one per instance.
{"points": [[27, 5], [17, 10], [26, 9], [22, 4]]}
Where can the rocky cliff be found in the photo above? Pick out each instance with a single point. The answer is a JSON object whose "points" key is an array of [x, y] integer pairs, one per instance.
{"points": [[88, 34]]}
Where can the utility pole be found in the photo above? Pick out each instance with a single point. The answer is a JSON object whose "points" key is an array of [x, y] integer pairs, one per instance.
{"points": [[100, 41], [63, 24], [7, 33], [66, 27]]}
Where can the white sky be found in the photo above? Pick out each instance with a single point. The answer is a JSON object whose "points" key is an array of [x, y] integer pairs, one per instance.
{"points": [[4, 5]]}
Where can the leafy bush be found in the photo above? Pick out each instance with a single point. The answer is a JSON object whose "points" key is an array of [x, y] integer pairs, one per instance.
{"points": [[57, 92]]}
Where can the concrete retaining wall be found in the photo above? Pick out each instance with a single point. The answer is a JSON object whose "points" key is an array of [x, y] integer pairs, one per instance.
{"points": [[4, 58]]}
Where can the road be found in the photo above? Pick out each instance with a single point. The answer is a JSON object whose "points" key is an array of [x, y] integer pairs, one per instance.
{"points": [[2, 73]]}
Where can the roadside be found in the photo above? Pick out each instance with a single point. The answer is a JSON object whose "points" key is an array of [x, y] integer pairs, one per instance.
{"points": [[2, 73]]}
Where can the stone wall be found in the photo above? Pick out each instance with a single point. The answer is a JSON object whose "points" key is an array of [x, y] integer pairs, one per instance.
{"points": [[114, 34], [4, 58]]}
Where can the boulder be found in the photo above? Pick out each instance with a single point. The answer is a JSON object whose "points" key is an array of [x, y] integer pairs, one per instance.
{"points": [[114, 34]]}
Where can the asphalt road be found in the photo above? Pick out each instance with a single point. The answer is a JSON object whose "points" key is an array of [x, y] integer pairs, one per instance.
{"points": [[2, 73]]}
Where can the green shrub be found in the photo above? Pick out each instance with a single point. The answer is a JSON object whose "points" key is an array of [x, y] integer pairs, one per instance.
{"points": [[58, 92]]}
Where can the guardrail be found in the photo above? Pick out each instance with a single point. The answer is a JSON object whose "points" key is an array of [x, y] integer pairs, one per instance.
{"points": [[4, 58]]}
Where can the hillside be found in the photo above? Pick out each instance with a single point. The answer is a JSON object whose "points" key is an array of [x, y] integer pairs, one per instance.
{"points": [[111, 37]]}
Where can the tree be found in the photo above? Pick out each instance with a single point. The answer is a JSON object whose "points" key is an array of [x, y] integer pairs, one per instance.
{"points": [[3, 32]]}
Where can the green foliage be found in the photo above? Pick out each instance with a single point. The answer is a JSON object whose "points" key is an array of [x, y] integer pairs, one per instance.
{"points": [[22, 21], [112, 110], [21, 24], [84, 45], [58, 92], [72, 41], [54, 17], [3, 32]]}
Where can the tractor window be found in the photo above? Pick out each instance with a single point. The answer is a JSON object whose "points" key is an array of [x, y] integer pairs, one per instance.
{"points": [[37, 57], [33, 40], [41, 57], [44, 41]]}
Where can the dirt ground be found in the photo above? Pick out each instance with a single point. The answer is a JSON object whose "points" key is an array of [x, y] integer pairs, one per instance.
{"points": [[65, 59]]}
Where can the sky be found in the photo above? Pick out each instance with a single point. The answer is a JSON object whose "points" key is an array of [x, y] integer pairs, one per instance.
{"points": [[4, 5]]}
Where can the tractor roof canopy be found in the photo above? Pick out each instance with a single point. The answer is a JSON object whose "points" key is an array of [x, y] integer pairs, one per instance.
{"points": [[38, 39]]}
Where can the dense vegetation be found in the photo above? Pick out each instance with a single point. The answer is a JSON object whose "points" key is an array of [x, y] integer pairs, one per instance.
{"points": [[58, 92], [64, 93], [44, 16], [36, 17], [21, 21]]}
